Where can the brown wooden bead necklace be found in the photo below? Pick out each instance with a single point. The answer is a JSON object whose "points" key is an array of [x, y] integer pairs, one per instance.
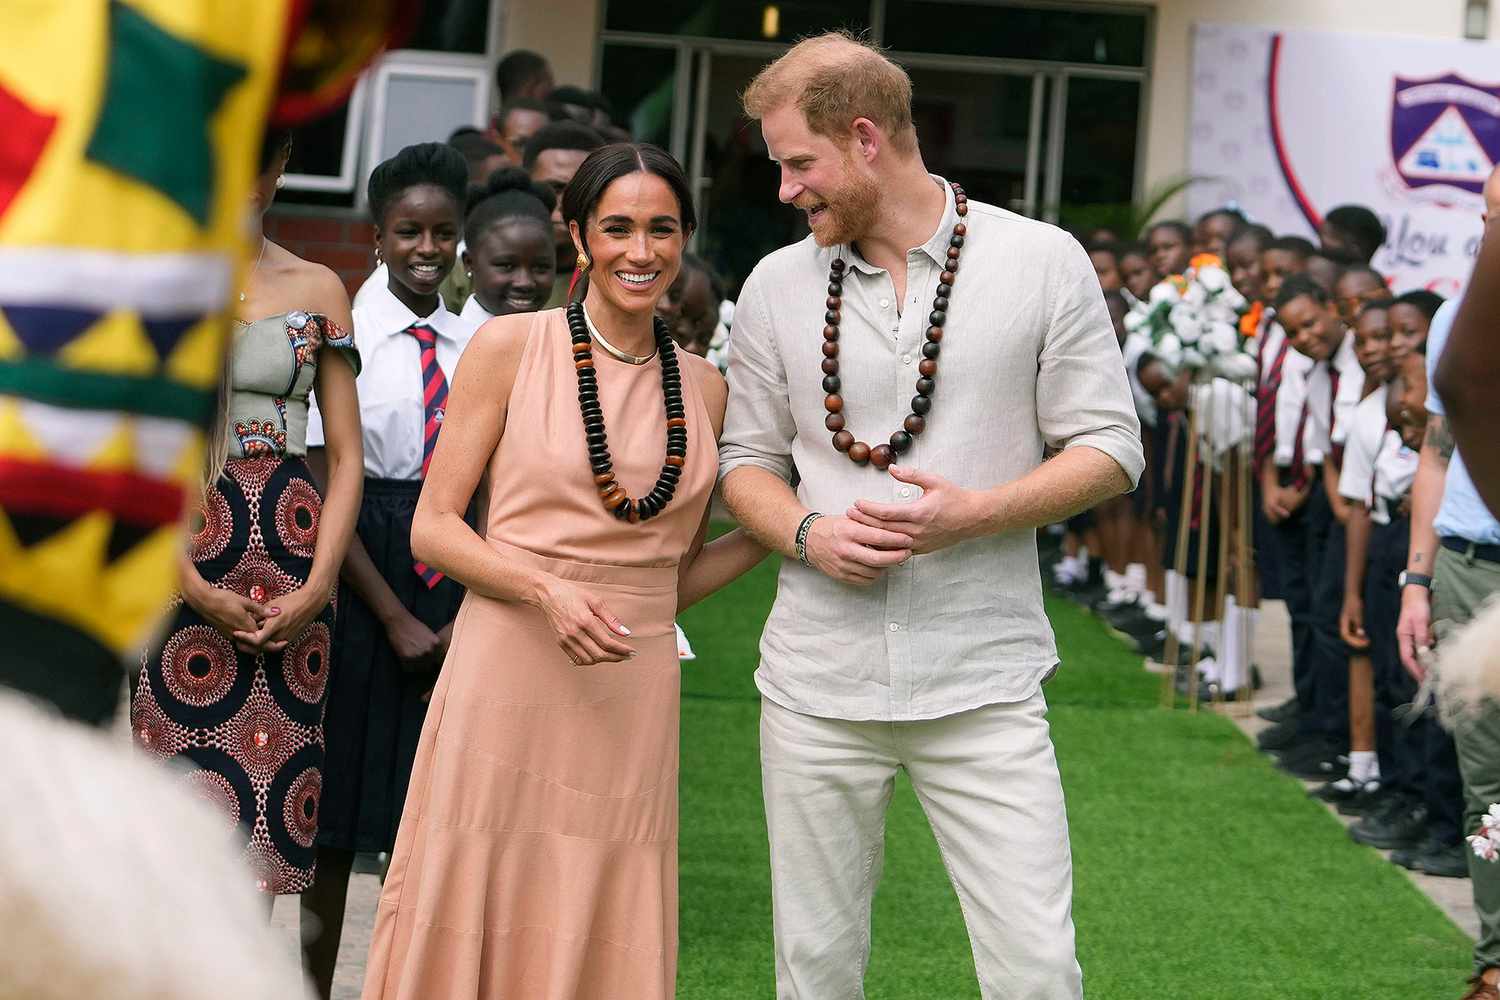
{"points": [[611, 493], [882, 455]]}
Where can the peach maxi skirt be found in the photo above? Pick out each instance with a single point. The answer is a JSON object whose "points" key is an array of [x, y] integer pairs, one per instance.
{"points": [[537, 853]]}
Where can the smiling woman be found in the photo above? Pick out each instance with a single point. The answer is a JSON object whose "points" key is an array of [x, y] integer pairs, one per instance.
{"points": [[537, 855]]}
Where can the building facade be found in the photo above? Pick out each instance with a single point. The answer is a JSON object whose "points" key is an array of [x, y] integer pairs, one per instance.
{"points": [[1053, 109]]}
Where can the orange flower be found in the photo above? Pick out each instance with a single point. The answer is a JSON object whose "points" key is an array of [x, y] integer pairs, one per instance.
{"points": [[1250, 321], [1179, 282], [1205, 260]]}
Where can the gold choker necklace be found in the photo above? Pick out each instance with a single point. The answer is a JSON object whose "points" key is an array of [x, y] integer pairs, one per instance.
{"points": [[611, 349]]}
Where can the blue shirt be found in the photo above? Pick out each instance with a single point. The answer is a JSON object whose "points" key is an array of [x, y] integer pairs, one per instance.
{"points": [[1463, 514]]}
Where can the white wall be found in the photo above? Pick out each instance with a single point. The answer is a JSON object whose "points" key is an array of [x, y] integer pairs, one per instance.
{"points": [[565, 31], [1165, 143]]}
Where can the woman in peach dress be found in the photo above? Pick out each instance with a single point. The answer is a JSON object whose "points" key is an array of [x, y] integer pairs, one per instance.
{"points": [[537, 854]]}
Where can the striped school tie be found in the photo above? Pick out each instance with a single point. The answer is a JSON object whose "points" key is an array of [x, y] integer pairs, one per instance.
{"points": [[1265, 408], [434, 403]]}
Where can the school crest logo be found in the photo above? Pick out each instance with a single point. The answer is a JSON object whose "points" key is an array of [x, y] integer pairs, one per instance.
{"points": [[1445, 130]]}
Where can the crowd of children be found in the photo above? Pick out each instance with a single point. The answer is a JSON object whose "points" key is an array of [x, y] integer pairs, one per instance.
{"points": [[1326, 439]]}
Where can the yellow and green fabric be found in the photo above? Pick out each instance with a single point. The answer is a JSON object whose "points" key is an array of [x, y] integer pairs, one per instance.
{"points": [[129, 135]]}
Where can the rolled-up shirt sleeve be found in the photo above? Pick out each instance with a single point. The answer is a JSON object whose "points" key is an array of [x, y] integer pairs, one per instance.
{"points": [[1082, 395], [758, 424]]}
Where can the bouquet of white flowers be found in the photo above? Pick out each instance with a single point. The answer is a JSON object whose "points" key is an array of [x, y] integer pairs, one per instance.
{"points": [[1193, 319], [1486, 843]]}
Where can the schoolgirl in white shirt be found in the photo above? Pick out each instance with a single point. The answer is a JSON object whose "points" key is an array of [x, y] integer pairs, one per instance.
{"points": [[395, 616], [509, 253]]}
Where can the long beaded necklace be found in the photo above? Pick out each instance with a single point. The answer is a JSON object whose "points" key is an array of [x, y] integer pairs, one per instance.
{"points": [[611, 493], [882, 455]]}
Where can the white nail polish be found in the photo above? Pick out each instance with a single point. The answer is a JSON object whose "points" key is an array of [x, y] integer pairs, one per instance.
{"points": [[624, 630]]}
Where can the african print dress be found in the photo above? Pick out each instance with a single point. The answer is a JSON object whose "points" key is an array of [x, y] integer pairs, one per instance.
{"points": [[250, 727]]}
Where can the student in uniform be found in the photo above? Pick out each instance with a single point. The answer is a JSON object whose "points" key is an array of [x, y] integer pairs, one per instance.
{"points": [[395, 616], [508, 252], [1369, 729], [1307, 313], [1417, 811]]}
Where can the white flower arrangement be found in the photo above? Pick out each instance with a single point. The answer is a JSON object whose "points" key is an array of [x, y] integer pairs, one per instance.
{"points": [[1486, 843], [1193, 320]]}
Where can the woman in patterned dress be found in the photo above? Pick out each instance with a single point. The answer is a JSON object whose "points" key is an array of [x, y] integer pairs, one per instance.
{"points": [[235, 690]]}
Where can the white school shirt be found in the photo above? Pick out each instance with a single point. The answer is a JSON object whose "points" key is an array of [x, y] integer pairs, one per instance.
{"points": [[1318, 437], [391, 410], [1271, 336], [1295, 371], [474, 314], [1378, 468]]}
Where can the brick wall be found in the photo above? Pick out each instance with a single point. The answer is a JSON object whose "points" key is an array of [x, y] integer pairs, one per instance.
{"points": [[339, 238]]}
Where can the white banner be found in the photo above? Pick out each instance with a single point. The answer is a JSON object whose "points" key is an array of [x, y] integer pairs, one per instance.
{"points": [[1291, 124]]}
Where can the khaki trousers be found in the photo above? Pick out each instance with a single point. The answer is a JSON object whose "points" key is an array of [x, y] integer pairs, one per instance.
{"points": [[987, 780]]}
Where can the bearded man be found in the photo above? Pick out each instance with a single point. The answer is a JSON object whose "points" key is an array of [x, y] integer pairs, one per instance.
{"points": [[908, 629]]}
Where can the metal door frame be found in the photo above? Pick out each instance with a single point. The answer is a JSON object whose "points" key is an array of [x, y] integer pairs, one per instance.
{"points": [[1042, 186]]}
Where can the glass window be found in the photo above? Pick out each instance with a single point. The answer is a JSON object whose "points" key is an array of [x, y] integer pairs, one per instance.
{"points": [[783, 21], [740, 216], [973, 129], [953, 27], [641, 83], [451, 26], [1098, 146]]}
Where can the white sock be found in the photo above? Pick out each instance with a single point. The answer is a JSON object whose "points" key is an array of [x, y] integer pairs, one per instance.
{"points": [[1176, 599], [1135, 577], [1210, 632], [1114, 582], [1210, 670], [1234, 652], [1363, 766], [1157, 612], [1184, 630]]}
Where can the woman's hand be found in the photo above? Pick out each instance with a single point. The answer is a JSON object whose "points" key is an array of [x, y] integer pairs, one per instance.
{"points": [[587, 630], [225, 610], [286, 617]]}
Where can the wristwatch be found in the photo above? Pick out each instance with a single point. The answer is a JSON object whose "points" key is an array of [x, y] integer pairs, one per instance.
{"points": [[1413, 579]]}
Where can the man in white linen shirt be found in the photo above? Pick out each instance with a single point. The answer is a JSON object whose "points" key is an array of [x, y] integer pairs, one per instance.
{"points": [[911, 635]]}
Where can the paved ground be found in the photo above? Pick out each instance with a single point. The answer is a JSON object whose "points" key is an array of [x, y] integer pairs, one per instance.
{"points": [[1273, 653]]}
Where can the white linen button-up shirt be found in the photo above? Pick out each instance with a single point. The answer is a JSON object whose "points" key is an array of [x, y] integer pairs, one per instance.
{"points": [[1029, 360], [391, 410]]}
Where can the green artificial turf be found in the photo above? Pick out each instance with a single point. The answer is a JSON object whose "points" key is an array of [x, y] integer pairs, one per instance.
{"points": [[1200, 872]]}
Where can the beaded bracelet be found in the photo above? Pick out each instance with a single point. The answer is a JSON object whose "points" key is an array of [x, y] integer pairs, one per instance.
{"points": [[802, 531]]}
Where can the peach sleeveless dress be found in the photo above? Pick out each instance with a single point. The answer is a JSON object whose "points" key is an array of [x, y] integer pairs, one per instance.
{"points": [[537, 853]]}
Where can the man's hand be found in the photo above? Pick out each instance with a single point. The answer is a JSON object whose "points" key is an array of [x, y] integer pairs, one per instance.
{"points": [[945, 515], [1414, 628], [852, 552]]}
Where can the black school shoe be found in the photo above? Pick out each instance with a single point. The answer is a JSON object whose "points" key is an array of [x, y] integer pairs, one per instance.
{"points": [[1284, 712], [1343, 790], [1322, 760], [1434, 858], [1280, 738], [1400, 823], [1366, 801]]}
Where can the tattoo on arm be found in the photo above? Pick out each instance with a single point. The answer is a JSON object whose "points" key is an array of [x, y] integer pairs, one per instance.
{"points": [[1417, 558], [1440, 437]]}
